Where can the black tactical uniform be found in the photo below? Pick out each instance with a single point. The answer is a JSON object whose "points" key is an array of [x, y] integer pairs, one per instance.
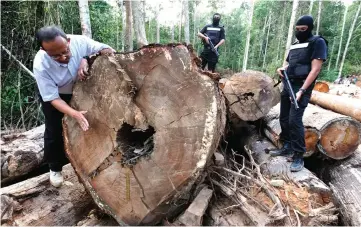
{"points": [[216, 33], [301, 54]]}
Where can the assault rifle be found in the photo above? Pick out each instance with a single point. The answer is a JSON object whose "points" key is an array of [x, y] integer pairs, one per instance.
{"points": [[212, 46], [287, 84]]}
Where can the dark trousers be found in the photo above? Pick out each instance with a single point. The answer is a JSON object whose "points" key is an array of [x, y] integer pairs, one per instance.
{"points": [[209, 58], [54, 153], [291, 121], [211, 65]]}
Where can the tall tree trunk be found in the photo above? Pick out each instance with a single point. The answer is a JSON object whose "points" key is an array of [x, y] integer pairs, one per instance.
{"points": [[311, 6], [139, 27], [332, 50], [281, 31], [129, 26], [194, 22], [265, 50], [319, 17], [348, 41], [342, 31], [85, 18], [158, 24], [290, 29], [245, 59], [186, 21], [173, 32], [121, 6], [262, 39], [180, 23]]}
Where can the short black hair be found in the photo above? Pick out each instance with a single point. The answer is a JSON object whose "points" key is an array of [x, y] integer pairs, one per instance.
{"points": [[49, 33]]}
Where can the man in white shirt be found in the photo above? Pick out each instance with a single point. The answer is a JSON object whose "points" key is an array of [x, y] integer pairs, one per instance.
{"points": [[61, 60]]}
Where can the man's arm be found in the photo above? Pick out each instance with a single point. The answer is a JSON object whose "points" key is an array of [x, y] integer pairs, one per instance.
{"points": [[63, 107], [315, 70], [95, 47], [49, 93], [223, 38], [201, 34]]}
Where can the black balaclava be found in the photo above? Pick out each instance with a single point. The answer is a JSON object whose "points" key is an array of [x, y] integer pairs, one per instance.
{"points": [[304, 20], [216, 18]]}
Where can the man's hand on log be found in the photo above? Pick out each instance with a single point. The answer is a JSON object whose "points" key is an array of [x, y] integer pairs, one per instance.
{"points": [[107, 52], [80, 118], [279, 71], [83, 70]]}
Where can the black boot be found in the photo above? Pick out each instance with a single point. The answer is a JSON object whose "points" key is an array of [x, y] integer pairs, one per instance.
{"points": [[284, 151], [297, 163]]}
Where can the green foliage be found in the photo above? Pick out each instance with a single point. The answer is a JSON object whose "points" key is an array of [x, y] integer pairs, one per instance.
{"points": [[21, 19]]}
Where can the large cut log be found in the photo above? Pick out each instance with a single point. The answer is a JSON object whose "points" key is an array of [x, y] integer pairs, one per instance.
{"points": [[21, 153], [250, 94], [311, 196], [335, 135], [345, 182], [346, 106], [34, 202], [155, 121]]}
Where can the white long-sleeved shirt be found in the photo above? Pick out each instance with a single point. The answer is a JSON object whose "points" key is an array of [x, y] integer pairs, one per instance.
{"points": [[53, 77]]}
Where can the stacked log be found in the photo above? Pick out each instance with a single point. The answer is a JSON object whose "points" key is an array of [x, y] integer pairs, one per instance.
{"points": [[21, 153], [345, 182], [346, 106], [321, 86], [335, 135], [34, 202], [250, 94]]}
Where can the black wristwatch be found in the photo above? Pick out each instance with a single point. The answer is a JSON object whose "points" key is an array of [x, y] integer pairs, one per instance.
{"points": [[86, 58], [303, 90]]}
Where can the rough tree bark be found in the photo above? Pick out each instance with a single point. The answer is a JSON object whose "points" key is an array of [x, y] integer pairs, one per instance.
{"points": [[248, 39], [338, 138], [174, 119], [250, 94], [347, 106], [34, 202], [139, 27], [128, 40], [348, 40], [345, 182], [290, 29], [21, 153], [85, 18]]}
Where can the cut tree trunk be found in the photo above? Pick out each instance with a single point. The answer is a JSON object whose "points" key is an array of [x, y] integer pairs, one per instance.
{"points": [[347, 106], [250, 94], [34, 202], [155, 121], [339, 135], [21, 153], [345, 183], [321, 86]]}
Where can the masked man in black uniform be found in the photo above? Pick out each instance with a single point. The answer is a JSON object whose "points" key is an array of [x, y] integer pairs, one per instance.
{"points": [[216, 34], [305, 60]]}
